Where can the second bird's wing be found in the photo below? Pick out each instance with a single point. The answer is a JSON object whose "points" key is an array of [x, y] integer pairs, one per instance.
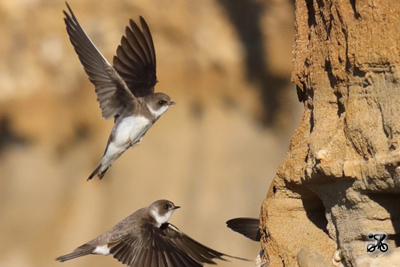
{"points": [[149, 247], [194, 249]]}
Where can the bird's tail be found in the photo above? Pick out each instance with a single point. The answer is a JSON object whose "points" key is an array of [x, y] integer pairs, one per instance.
{"points": [[98, 172], [79, 252]]}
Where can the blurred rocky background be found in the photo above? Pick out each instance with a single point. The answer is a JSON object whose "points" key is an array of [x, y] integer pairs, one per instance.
{"points": [[227, 64]]}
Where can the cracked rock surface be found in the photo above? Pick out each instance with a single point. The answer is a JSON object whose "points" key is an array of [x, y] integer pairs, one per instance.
{"points": [[340, 178]]}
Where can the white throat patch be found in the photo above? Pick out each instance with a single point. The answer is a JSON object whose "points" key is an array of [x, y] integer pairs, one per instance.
{"points": [[161, 219], [159, 112]]}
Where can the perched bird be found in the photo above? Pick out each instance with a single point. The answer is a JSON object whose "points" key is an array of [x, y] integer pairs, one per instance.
{"points": [[125, 91], [146, 239], [249, 227]]}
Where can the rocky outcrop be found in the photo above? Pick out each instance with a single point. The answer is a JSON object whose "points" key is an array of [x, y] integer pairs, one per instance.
{"points": [[339, 180]]}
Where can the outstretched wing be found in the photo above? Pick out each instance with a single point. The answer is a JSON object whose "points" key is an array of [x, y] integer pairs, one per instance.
{"points": [[112, 92], [193, 248], [249, 227], [136, 59], [149, 247]]}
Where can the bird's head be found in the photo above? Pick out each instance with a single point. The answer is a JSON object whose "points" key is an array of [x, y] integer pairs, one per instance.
{"points": [[162, 210], [158, 103]]}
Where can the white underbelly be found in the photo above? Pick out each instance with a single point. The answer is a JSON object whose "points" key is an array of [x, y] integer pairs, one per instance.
{"points": [[131, 129], [130, 132]]}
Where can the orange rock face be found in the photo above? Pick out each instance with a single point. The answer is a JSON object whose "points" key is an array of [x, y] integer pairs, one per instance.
{"points": [[339, 180]]}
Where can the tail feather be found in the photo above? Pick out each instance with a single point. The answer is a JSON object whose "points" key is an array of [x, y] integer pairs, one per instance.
{"points": [[101, 174], [108, 159], [79, 252], [97, 172]]}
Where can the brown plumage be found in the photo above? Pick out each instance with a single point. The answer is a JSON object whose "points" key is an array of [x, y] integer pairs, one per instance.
{"points": [[146, 239], [125, 91]]}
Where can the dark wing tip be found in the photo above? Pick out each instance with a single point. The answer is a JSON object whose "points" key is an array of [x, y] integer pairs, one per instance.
{"points": [[143, 22], [249, 227], [133, 24], [199, 252], [71, 15], [127, 31], [69, 8]]}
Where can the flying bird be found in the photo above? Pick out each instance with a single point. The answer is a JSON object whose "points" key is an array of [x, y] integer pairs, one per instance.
{"points": [[146, 239], [125, 90]]}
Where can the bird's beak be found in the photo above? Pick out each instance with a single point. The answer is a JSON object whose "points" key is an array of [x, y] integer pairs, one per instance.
{"points": [[176, 207], [172, 103]]}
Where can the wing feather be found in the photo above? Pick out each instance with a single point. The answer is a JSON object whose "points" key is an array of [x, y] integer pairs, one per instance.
{"points": [[135, 61], [249, 227], [112, 92], [191, 247], [149, 248], [141, 40], [149, 40]]}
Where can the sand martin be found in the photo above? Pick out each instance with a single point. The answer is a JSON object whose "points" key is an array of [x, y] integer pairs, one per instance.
{"points": [[249, 227], [146, 239], [125, 91]]}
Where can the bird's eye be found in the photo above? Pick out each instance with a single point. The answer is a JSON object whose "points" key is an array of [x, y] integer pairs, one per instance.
{"points": [[161, 102], [166, 207]]}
